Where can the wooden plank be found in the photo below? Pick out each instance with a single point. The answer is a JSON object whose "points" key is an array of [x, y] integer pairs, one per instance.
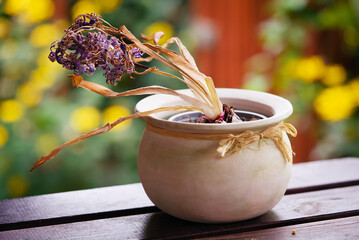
{"points": [[131, 199], [292, 210], [72, 203], [336, 229], [324, 172]]}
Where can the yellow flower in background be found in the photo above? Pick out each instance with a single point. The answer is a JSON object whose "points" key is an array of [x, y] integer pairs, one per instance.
{"points": [[112, 113], [85, 119], [45, 143], [96, 6], [4, 27], [45, 34], [310, 69], [161, 26], [17, 186], [109, 5], [14, 7], [334, 103], [30, 11], [29, 94], [289, 68], [11, 110], [334, 75], [42, 78], [39, 10], [4, 135], [85, 6]]}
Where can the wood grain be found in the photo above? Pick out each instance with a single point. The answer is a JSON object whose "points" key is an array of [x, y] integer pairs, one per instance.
{"points": [[131, 199], [72, 203], [292, 210], [324, 172], [336, 229]]}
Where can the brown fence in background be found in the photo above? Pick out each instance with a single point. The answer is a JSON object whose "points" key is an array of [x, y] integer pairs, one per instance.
{"points": [[236, 28]]}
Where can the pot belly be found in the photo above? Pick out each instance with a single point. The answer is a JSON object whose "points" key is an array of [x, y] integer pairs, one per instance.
{"points": [[187, 179]]}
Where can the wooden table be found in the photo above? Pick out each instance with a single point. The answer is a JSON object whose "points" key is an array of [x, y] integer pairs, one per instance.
{"points": [[322, 202]]}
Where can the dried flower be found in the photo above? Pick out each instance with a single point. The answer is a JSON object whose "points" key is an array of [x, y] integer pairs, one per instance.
{"points": [[90, 44], [84, 51]]}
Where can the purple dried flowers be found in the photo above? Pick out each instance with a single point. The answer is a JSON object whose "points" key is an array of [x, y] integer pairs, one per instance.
{"points": [[93, 19], [85, 48], [89, 44]]}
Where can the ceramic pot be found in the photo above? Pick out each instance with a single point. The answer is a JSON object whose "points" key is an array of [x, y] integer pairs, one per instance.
{"points": [[187, 179]]}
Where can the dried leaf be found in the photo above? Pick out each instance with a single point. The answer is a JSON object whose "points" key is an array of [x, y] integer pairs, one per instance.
{"points": [[183, 65], [76, 80], [217, 104], [107, 128], [185, 53], [97, 88], [155, 37], [157, 71]]}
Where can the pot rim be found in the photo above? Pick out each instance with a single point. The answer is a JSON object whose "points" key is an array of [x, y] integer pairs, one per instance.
{"points": [[274, 107]]}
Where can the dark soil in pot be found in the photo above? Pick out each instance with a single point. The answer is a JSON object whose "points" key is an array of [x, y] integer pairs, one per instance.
{"points": [[195, 117]]}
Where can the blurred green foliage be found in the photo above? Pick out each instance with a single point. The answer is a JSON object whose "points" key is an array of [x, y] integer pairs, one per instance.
{"points": [[311, 53], [39, 109]]}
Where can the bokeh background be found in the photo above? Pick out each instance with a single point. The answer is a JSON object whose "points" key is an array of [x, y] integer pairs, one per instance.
{"points": [[304, 50]]}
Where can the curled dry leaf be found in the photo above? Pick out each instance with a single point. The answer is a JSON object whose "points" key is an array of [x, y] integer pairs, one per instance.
{"points": [[76, 80], [107, 128], [155, 37], [91, 43]]}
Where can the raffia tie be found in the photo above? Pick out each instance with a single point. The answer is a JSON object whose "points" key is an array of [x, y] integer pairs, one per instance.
{"points": [[232, 143]]}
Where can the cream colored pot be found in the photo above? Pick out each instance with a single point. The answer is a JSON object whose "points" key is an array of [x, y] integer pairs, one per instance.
{"points": [[186, 178]]}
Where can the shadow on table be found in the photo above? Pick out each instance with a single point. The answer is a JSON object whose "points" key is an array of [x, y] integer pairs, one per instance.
{"points": [[162, 225]]}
